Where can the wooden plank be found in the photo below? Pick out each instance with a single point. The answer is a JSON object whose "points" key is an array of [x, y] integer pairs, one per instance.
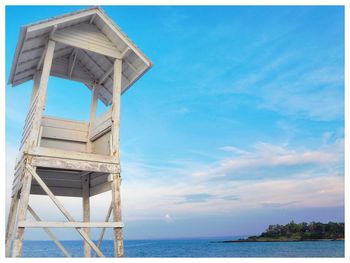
{"points": [[103, 118], [63, 145], [86, 211], [64, 123], [117, 216], [63, 19], [126, 52], [101, 188], [43, 54], [27, 132], [75, 165], [101, 145], [63, 210], [56, 182], [59, 69], [42, 91], [90, 33], [92, 18], [92, 118], [75, 224], [80, 41], [67, 175], [22, 37], [50, 234], [32, 107], [35, 88], [11, 224], [117, 87], [22, 213], [98, 179], [72, 60], [27, 127], [103, 230], [64, 134], [105, 75], [57, 153], [100, 130], [58, 191]]}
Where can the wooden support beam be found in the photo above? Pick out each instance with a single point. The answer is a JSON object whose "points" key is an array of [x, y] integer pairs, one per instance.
{"points": [[117, 216], [43, 54], [103, 230], [92, 19], [63, 210], [117, 87], [75, 224], [105, 76], [60, 20], [86, 211], [41, 59], [72, 60], [93, 108], [80, 165], [110, 70], [35, 88], [62, 154], [33, 140], [22, 213], [50, 234], [126, 52], [11, 224], [53, 30]]}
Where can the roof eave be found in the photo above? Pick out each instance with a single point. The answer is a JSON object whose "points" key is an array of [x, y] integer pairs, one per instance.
{"points": [[138, 77], [19, 46], [130, 43]]}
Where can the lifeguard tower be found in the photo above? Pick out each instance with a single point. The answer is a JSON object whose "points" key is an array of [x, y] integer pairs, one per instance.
{"points": [[60, 157]]}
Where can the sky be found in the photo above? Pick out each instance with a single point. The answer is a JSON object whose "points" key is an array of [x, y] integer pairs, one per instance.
{"points": [[238, 125]]}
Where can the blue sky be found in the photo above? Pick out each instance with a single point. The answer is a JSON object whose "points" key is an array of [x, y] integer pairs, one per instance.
{"points": [[239, 124]]}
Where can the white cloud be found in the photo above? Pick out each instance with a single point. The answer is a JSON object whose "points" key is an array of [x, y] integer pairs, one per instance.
{"points": [[233, 150], [274, 156]]}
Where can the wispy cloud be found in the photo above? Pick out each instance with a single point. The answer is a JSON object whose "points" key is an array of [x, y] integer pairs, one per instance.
{"points": [[198, 198], [234, 184], [269, 157]]}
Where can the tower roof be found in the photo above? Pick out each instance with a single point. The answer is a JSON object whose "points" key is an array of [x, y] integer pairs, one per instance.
{"points": [[87, 42]]}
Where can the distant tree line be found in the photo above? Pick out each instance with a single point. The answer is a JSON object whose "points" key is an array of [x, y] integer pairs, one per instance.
{"points": [[305, 231]]}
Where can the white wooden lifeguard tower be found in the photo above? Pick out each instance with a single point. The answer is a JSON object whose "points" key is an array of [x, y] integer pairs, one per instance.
{"points": [[61, 157]]}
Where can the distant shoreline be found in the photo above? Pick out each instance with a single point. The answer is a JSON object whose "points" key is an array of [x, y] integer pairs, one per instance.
{"points": [[292, 232], [278, 240]]}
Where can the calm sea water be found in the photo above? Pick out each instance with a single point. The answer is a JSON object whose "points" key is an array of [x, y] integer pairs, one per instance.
{"points": [[194, 248]]}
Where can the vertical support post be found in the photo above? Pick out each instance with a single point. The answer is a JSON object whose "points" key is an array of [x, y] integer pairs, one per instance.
{"points": [[22, 213], [37, 77], [93, 109], [117, 216], [86, 211], [117, 87], [44, 78], [11, 224]]}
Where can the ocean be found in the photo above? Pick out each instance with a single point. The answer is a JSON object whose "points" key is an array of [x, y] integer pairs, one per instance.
{"points": [[195, 248]]}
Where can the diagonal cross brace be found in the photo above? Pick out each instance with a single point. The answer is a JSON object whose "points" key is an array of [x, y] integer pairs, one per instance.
{"points": [[58, 243], [63, 210], [104, 229]]}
